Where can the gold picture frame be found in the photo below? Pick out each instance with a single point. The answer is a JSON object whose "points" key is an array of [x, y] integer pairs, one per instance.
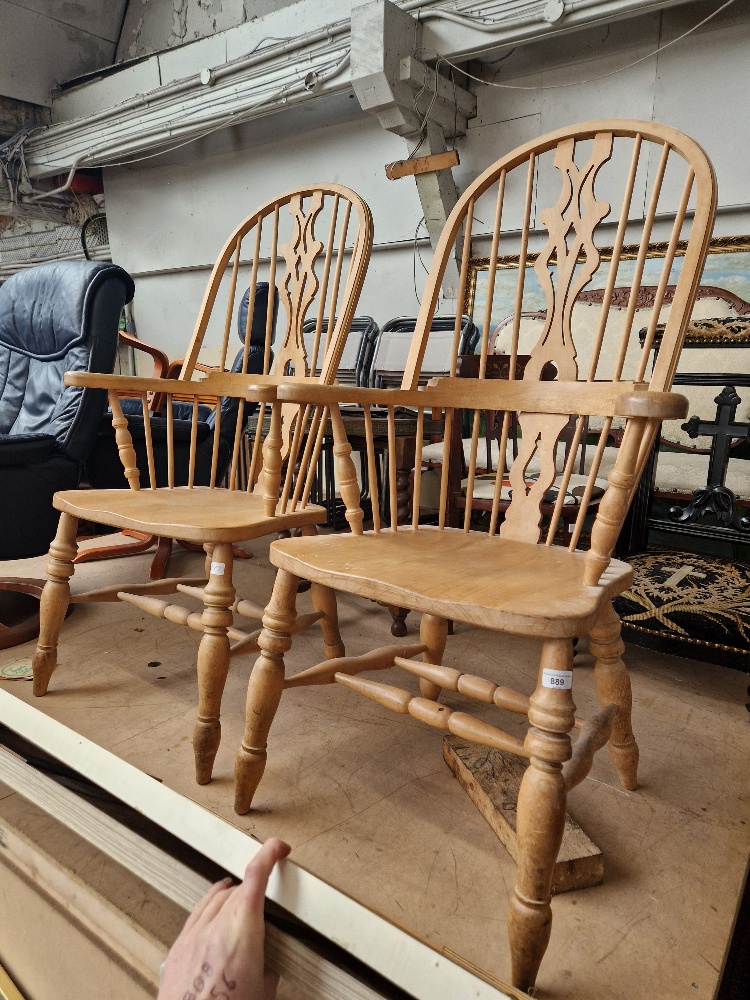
{"points": [[727, 268]]}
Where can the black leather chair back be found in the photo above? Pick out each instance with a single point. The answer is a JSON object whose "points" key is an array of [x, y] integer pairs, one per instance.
{"points": [[54, 318], [57, 317]]}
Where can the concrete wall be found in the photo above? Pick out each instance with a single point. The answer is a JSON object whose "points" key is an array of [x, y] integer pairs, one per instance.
{"points": [[174, 218], [153, 25], [44, 43]]}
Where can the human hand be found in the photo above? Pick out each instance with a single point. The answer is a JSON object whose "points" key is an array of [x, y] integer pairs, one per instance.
{"points": [[218, 955]]}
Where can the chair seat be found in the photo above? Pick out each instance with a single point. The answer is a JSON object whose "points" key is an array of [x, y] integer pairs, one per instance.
{"points": [[493, 582], [192, 515]]}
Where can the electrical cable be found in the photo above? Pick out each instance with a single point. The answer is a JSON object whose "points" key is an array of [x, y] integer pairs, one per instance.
{"points": [[414, 260], [233, 118], [594, 79]]}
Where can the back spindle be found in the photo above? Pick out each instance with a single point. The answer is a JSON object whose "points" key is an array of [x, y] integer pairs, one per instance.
{"points": [[392, 485], [149, 441], [170, 441], [417, 490], [251, 297], [193, 442], [216, 444], [238, 430], [444, 471], [312, 467], [271, 287], [230, 303], [372, 469]]}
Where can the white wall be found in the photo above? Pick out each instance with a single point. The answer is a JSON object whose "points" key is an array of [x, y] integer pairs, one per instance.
{"points": [[171, 217], [44, 43], [152, 25], [180, 216]]}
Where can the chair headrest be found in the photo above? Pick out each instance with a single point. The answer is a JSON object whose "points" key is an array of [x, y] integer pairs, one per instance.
{"points": [[44, 310], [260, 312]]}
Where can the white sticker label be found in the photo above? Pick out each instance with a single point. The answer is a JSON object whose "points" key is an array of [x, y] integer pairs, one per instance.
{"points": [[561, 679], [217, 569]]}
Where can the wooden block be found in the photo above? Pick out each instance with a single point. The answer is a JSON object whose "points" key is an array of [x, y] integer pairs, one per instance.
{"points": [[492, 780], [422, 165]]}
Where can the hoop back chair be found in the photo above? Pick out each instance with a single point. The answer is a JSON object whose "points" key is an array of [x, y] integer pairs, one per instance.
{"points": [[323, 276], [512, 578]]}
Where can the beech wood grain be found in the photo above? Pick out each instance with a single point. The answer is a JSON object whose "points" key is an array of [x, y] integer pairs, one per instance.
{"points": [[513, 578]]}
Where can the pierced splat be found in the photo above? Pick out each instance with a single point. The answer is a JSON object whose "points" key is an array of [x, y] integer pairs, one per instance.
{"points": [[540, 431], [571, 224], [299, 285]]}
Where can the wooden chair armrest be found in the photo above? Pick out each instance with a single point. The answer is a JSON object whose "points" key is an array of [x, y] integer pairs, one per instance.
{"points": [[329, 395], [582, 398], [129, 383], [222, 384], [653, 405], [161, 361]]}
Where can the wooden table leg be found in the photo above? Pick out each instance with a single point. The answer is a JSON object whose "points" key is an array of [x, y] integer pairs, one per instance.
{"points": [[398, 625]]}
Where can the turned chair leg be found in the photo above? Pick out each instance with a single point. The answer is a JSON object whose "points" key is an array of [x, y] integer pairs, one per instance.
{"points": [[213, 660], [613, 686], [54, 601], [324, 599], [265, 688], [433, 633], [541, 813]]}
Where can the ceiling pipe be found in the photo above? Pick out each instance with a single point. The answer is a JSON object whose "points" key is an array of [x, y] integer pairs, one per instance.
{"points": [[455, 33]]}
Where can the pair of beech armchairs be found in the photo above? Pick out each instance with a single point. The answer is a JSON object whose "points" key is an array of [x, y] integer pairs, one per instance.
{"points": [[510, 578]]}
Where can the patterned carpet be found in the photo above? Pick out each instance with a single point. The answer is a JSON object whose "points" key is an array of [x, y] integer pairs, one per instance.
{"points": [[690, 605]]}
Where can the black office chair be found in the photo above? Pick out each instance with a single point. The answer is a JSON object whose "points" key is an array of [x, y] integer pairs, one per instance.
{"points": [[391, 349], [57, 317], [353, 367]]}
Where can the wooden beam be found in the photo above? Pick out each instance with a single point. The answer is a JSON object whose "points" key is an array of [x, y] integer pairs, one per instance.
{"points": [[7, 987], [390, 952], [492, 779], [422, 165], [314, 975], [132, 946]]}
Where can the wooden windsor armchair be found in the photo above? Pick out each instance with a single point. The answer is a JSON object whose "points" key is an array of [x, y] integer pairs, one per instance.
{"points": [[512, 578], [279, 242]]}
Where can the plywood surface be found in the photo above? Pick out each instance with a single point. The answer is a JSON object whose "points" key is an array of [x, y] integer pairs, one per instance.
{"points": [[369, 805], [73, 924]]}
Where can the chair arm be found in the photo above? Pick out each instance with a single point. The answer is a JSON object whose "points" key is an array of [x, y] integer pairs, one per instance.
{"points": [[607, 399], [127, 383], [652, 405], [220, 384], [329, 395], [161, 361]]}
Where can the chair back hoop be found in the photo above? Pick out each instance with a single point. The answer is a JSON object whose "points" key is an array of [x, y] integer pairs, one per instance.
{"points": [[556, 192], [302, 254], [284, 248]]}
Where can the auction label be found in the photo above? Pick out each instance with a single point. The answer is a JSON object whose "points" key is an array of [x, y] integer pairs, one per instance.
{"points": [[561, 679], [217, 569]]}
